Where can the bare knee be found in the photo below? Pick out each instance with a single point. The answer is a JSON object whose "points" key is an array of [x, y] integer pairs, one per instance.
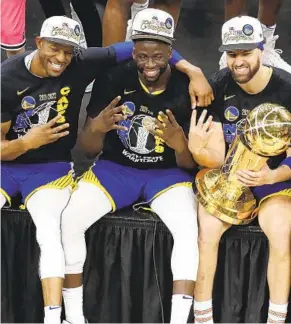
{"points": [[275, 221], [119, 3], [210, 227]]}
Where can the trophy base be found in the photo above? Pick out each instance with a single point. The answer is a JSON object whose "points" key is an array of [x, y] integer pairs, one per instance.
{"points": [[231, 207]]}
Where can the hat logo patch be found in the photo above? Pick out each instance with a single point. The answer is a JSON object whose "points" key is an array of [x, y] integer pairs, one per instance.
{"points": [[236, 36], [77, 30], [155, 26], [169, 23], [65, 31], [248, 29]]}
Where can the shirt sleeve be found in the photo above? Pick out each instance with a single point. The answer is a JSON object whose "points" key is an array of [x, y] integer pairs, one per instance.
{"points": [[218, 82]]}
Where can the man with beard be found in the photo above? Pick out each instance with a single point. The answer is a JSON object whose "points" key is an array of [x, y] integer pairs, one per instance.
{"points": [[42, 91], [144, 149], [245, 84]]}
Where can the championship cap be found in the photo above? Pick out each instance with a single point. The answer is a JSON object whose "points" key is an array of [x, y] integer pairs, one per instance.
{"points": [[62, 30], [241, 33], [153, 24]]}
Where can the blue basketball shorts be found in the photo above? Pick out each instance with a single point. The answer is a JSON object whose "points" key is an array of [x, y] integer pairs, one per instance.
{"points": [[261, 193], [28, 178], [125, 186]]}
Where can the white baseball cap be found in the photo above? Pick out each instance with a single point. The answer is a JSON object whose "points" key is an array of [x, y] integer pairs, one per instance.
{"points": [[153, 24], [241, 33], [62, 30]]}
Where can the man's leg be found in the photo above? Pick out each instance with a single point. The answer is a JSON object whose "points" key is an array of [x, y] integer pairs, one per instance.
{"points": [[87, 205], [275, 221], [98, 192], [173, 7], [45, 207], [177, 209], [116, 16], [210, 232]]}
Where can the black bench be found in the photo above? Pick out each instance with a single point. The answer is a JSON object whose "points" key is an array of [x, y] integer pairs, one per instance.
{"points": [[127, 273]]}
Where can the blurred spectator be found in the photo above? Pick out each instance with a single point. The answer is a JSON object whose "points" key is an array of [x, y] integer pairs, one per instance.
{"points": [[115, 27], [13, 26]]}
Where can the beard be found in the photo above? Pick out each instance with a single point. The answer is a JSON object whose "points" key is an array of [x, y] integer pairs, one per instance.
{"points": [[162, 70], [246, 77]]}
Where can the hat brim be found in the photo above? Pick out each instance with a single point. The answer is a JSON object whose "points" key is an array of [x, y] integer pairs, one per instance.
{"points": [[62, 41], [245, 46], [152, 37]]}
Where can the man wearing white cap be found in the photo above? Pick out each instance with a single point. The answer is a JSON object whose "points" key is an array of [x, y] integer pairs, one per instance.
{"points": [[41, 98], [145, 159], [245, 84], [267, 14]]}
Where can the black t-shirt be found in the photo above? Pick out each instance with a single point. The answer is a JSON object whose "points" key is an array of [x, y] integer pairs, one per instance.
{"points": [[28, 100], [232, 104], [137, 147]]}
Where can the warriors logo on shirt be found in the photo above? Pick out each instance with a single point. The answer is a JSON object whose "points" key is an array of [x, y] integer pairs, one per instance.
{"points": [[32, 116], [231, 113]]}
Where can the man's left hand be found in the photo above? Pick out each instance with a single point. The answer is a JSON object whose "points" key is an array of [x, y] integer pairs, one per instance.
{"points": [[170, 131], [259, 178], [200, 91]]}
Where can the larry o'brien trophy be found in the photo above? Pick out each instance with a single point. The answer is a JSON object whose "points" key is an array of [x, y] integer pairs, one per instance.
{"points": [[267, 132]]}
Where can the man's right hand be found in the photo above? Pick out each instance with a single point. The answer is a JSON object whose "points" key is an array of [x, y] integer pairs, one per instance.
{"points": [[45, 134], [108, 118], [200, 131]]}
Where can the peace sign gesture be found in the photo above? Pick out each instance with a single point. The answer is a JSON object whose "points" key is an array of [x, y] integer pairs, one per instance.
{"points": [[108, 117], [200, 131]]}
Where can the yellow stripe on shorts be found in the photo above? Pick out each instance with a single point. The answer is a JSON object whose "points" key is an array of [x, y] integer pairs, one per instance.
{"points": [[142, 205], [89, 176], [5, 194], [285, 192], [59, 183]]}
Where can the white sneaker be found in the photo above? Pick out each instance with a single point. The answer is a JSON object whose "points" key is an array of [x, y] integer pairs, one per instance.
{"points": [[128, 30], [222, 61], [272, 56]]}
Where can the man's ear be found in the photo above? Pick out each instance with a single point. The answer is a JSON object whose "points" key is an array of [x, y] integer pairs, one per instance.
{"points": [[170, 52], [134, 53], [38, 42]]}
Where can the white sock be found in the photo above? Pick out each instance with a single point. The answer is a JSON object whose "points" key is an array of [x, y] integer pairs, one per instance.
{"points": [[203, 312], [73, 300], [52, 314], [136, 7], [181, 305], [277, 313], [268, 31]]}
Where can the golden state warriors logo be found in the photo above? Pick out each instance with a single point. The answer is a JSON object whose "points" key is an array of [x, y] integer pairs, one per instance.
{"points": [[231, 113], [128, 108], [28, 102]]}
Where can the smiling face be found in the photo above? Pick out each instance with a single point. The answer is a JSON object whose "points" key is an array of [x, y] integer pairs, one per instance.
{"points": [[53, 57], [151, 58], [244, 64]]}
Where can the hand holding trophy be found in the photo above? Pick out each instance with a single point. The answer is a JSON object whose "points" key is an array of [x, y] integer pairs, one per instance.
{"points": [[267, 132]]}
